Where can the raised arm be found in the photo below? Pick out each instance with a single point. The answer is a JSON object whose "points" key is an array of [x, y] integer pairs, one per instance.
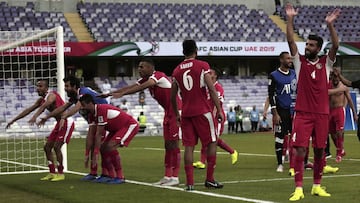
{"points": [[330, 19], [134, 88], [25, 112], [291, 13]]}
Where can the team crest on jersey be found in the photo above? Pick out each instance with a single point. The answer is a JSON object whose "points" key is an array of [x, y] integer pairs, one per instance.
{"points": [[100, 119], [319, 66]]}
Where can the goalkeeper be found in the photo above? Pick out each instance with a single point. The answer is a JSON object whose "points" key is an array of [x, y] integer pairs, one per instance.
{"points": [[50, 100]]}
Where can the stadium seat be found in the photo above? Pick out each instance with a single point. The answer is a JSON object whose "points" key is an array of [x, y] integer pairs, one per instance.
{"points": [[207, 20]]}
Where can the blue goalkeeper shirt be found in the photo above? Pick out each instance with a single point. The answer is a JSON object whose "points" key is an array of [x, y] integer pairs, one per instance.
{"points": [[282, 89]]}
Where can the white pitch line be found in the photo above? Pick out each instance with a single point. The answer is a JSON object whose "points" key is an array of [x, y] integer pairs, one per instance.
{"points": [[182, 190], [289, 178], [244, 154]]}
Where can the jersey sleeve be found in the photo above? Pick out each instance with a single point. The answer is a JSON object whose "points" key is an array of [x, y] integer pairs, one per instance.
{"points": [[329, 64], [272, 91], [101, 116], [297, 64]]}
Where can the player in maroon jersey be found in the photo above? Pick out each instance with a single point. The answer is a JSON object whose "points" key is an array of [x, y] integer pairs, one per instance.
{"points": [[50, 100], [122, 128], [220, 126], [159, 86], [312, 103], [192, 79]]}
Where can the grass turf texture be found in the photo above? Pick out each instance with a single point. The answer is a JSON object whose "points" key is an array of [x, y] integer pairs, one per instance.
{"points": [[252, 177]]}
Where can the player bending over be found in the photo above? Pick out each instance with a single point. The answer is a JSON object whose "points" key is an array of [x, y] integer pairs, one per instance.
{"points": [[122, 128]]}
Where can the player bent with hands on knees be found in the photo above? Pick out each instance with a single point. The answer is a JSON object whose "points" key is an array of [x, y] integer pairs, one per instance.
{"points": [[159, 86], [122, 128]]}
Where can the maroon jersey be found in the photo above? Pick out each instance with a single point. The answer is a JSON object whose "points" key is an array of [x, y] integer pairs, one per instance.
{"points": [[189, 76], [161, 91], [220, 93], [113, 118], [58, 102], [313, 84]]}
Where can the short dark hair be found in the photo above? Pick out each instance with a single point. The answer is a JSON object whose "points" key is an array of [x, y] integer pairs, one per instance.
{"points": [[74, 81], [87, 98], [217, 72], [147, 60], [283, 53], [317, 38], [45, 80], [189, 47]]}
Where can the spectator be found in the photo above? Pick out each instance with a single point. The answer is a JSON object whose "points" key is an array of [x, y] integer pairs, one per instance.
{"points": [[264, 125], [142, 121], [254, 118], [142, 98], [231, 117], [238, 120], [277, 7], [106, 88], [124, 106]]}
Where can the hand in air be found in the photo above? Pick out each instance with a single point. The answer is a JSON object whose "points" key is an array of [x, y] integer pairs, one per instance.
{"points": [[332, 16], [290, 10]]}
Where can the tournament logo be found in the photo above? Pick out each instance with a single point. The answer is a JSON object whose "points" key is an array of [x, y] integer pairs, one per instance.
{"points": [[319, 66]]}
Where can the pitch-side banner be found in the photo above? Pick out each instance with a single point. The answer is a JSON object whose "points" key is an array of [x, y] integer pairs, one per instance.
{"points": [[174, 49]]}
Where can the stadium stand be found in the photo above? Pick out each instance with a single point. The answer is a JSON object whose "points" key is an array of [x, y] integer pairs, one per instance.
{"points": [[17, 18], [175, 22], [347, 24]]}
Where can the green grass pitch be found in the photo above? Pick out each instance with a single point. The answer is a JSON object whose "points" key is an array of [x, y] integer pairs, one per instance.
{"points": [[252, 179]]}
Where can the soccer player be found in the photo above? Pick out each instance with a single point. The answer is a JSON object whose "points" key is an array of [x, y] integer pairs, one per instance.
{"points": [[192, 79], [50, 100], [338, 102], [74, 91], [122, 128], [354, 84], [159, 86], [312, 103], [220, 126], [282, 92]]}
